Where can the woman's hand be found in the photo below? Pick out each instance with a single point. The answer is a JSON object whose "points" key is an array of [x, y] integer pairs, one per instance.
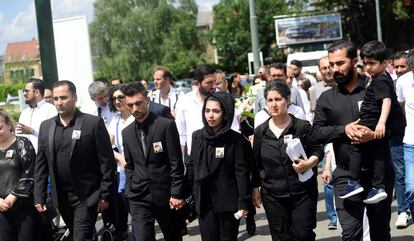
{"points": [[3, 205], [300, 165], [256, 197], [11, 200], [326, 176]]}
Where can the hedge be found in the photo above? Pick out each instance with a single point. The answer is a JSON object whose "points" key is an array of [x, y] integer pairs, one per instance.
{"points": [[10, 89]]}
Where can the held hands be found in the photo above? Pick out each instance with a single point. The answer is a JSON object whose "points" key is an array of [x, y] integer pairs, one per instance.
{"points": [[379, 131], [256, 197], [176, 203]]}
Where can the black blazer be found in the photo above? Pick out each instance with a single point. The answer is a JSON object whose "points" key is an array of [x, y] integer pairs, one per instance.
{"points": [[228, 187], [161, 174], [160, 110], [92, 161]]}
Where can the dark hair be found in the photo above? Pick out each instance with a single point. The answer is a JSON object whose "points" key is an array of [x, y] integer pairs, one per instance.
{"points": [[69, 84], [375, 50], [117, 78], [296, 63], [278, 86], [400, 55], [306, 84], [134, 88], [111, 92], [38, 85], [202, 71], [351, 51], [146, 81], [279, 65]]}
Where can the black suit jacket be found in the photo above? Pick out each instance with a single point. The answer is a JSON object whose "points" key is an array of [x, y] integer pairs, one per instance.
{"points": [[92, 161], [161, 174], [160, 110]]}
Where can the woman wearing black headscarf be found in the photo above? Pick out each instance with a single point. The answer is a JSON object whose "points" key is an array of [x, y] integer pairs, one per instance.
{"points": [[219, 170]]}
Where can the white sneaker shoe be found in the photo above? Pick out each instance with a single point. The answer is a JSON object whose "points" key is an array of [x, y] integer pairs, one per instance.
{"points": [[403, 220]]}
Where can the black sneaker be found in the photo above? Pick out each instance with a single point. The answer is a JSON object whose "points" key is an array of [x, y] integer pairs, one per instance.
{"points": [[250, 225], [375, 196], [353, 187], [332, 225]]}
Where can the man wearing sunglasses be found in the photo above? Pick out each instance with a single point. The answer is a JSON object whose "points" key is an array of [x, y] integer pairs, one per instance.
{"points": [[38, 111]]}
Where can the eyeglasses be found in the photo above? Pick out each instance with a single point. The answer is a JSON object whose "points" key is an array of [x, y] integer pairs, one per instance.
{"points": [[277, 76], [27, 91], [120, 98]]}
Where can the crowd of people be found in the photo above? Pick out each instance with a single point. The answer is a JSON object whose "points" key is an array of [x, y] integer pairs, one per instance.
{"points": [[164, 155]]}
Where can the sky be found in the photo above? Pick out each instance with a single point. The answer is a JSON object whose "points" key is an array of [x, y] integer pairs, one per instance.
{"points": [[18, 17]]}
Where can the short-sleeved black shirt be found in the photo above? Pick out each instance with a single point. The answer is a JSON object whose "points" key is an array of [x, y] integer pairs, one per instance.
{"points": [[382, 87]]}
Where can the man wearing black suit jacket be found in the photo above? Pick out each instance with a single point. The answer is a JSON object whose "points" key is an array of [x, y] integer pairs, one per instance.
{"points": [[75, 151], [154, 169], [160, 110]]}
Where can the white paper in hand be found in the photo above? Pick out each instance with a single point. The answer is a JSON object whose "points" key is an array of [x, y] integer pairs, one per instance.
{"points": [[295, 150]]}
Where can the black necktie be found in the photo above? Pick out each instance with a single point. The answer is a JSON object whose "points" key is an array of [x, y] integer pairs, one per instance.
{"points": [[143, 142], [99, 111]]}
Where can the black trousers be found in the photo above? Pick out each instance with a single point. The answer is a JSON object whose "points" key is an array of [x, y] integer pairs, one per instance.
{"points": [[19, 225], [291, 218], [377, 150], [79, 218], [218, 226], [351, 210], [144, 213]]}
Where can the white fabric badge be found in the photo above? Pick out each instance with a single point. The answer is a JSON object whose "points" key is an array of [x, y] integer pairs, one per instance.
{"points": [[359, 105], [219, 152], [157, 147], [76, 134], [9, 154], [287, 138]]}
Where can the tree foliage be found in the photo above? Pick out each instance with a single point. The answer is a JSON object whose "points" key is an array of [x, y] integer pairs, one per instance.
{"points": [[360, 26], [231, 30], [131, 37]]}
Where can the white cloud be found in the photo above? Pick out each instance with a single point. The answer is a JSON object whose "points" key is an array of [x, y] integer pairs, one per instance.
{"points": [[72, 8], [206, 4]]}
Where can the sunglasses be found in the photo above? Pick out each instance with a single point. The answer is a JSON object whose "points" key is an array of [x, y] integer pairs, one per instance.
{"points": [[119, 98]]}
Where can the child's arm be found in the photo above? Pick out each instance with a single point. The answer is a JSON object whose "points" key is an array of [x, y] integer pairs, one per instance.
{"points": [[385, 111]]}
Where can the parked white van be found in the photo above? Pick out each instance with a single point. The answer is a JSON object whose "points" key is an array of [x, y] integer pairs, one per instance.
{"points": [[309, 60]]}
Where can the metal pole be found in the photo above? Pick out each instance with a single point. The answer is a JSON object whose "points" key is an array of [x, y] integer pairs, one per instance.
{"points": [[254, 35], [46, 42], [379, 30]]}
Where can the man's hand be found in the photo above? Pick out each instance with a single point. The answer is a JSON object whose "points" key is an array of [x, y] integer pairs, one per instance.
{"points": [[366, 136], [326, 176], [352, 131], [256, 197], [102, 205], [23, 129], [4, 206], [176, 203], [41, 208], [10, 200]]}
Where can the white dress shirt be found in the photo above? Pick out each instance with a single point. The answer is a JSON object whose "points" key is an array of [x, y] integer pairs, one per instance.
{"points": [[189, 117], [33, 117], [115, 129], [171, 102], [405, 93], [92, 109], [263, 115]]}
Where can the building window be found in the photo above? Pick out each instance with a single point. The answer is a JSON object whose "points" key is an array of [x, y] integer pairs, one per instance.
{"points": [[23, 57], [10, 58]]}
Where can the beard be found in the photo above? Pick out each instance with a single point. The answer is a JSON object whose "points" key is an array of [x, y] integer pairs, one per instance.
{"points": [[204, 92], [342, 79]]}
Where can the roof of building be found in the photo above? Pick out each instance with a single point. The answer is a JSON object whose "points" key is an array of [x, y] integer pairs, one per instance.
{"points": [[20, 51], [204, 18]]}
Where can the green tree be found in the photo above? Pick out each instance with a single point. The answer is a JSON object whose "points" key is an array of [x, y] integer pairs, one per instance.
{"points": [[359, 21], [130, 38], [231, 30]]}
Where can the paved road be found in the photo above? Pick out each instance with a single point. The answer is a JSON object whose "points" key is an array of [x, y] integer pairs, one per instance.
{"points": [[322, 232]]}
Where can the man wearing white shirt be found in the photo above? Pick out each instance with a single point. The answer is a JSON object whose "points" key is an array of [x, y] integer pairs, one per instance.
{"points": [[405, 94], [98, 93], [38, 111], [189, 106], [164, 93]]}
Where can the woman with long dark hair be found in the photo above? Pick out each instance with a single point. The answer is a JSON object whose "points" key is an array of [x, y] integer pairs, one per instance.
{"points": [[218, 167]]}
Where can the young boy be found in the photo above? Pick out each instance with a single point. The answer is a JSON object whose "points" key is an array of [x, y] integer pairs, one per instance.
{"points": [[381, 113]]}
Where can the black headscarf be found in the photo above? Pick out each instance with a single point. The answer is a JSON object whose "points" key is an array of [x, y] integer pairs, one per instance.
{"points": [[210, 139]]}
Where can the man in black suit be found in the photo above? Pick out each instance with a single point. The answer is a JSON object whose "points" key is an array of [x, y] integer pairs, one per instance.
{"points": [[75, 151], [160, 110], [154, 169]]}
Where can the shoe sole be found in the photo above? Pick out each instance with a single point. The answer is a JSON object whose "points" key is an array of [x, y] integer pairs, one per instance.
{"points": [[332, 228], [401, 226], [376, 199], [356, 191]]}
